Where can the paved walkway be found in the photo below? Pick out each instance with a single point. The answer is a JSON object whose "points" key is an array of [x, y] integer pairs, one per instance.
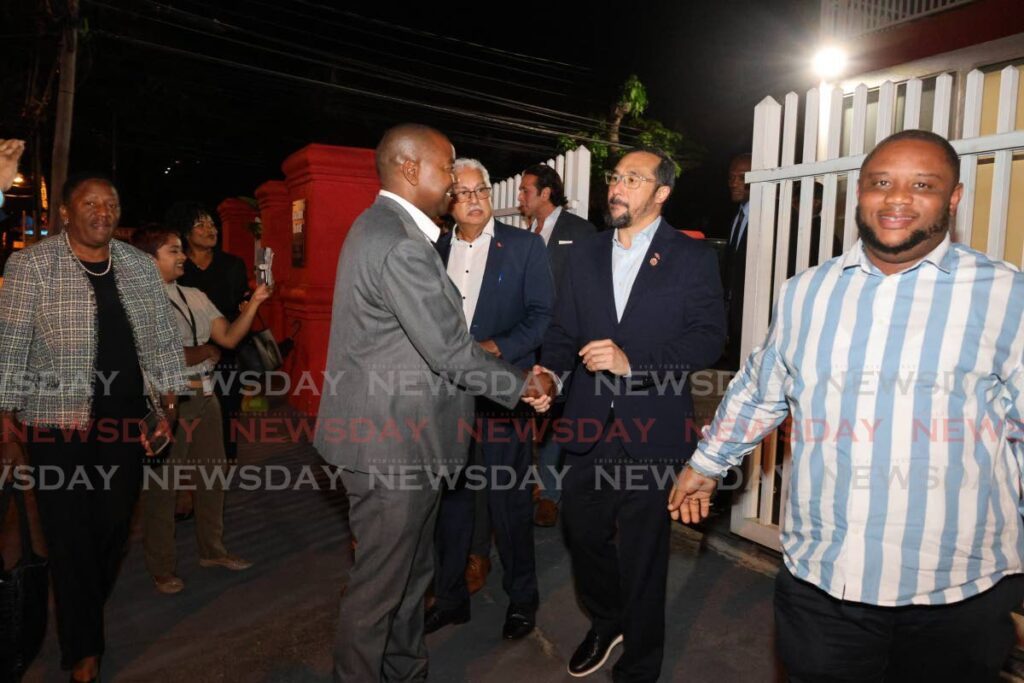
{"points": [[275, 622]]}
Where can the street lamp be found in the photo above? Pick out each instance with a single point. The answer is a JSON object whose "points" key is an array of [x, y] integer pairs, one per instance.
{"points": [[829, 63]]}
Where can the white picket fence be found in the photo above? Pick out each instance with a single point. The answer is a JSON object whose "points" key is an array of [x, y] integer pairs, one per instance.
{"points": [[833, 121], [573, 167], [849, 18]]}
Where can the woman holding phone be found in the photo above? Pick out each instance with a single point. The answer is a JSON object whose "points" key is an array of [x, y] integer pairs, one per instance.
{"points": [[198, 440]]}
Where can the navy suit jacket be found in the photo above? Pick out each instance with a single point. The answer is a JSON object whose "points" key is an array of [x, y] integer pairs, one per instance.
{"points": [[673, 324], [517, 294]]}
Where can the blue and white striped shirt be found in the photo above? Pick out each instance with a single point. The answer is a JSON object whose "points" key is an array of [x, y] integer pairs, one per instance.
{"points": [[906, 394]]}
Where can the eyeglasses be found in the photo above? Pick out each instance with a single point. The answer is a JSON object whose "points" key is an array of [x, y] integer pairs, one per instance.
{"points": [[631, 181], [462, 196]]}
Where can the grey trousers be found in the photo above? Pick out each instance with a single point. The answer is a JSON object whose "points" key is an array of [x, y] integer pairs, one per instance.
{"points": [[380, 620]]}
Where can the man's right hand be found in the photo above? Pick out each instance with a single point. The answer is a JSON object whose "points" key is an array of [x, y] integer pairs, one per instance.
{"points": [[10, 153], [690, 499], [540, 389]]}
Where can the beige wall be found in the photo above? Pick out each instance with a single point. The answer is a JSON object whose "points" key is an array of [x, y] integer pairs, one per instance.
{"points": [[983, 188]]}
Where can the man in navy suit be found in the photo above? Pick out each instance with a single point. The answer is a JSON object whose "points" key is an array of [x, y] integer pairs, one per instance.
{"points": [[639, 309], [507, 291], [543, 203]]}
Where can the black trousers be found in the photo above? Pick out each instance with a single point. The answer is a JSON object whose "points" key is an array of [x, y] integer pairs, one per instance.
{"points": [[617, 530], [823, 639], [505, 459], [86, 489]]}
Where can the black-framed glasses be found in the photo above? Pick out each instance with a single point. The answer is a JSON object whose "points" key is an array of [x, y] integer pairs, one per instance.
{"points": [[630, 180], [464, 195]]}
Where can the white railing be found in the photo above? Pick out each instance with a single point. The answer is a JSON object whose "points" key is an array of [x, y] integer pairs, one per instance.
{"points": [[832, 120], [573, 167], [851, 18]]}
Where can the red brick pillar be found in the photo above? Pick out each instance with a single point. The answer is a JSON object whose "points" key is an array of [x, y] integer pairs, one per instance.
{"points": [[236, 238], [336, 184], [276, 217]]}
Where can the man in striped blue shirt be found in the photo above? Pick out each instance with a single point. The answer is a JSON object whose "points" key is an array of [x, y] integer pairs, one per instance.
{"points": [[900, 364]]}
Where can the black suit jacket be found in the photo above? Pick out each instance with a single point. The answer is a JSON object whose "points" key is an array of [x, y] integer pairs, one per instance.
{"points": [[568, 229], [673, 324]]}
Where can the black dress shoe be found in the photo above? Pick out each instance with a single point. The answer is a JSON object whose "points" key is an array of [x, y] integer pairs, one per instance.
{"points": [[437, 617], [592, 653], [519, 620]]}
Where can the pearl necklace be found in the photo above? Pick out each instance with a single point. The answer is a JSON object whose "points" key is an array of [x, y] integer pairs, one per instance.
{"points": [[82, 265]]}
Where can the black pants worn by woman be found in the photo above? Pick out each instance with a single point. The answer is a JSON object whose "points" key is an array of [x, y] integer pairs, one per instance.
{"points": [[86, 500]]}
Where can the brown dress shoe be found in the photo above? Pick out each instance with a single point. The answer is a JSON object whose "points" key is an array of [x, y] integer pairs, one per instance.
{"points": [[546, 513], [235, 564], [477, 569], [169, 584]]}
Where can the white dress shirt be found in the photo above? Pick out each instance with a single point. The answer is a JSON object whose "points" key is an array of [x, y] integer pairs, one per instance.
{"points": [[549, 224], [423, 222], [466, 264]]}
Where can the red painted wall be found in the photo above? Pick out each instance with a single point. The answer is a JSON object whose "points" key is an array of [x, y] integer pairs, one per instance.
{"points": [[971, 24], [338, 183], [276, 217], [235, 217]]}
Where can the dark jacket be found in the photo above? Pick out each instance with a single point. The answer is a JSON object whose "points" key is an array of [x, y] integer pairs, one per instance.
{"points": [[673, 324]]}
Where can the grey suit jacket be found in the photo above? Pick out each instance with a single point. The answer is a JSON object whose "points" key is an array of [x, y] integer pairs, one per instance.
{"points": [[403, 365], [48, 333]]}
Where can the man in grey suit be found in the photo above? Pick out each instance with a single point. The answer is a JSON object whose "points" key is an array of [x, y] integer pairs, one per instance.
{"points": [[407, 370]]}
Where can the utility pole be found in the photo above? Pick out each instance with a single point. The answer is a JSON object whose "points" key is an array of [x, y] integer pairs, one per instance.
{"points": [[65, 112]]}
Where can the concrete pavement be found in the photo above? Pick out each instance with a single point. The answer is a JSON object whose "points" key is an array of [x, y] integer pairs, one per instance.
{"points": [[275, 622]]}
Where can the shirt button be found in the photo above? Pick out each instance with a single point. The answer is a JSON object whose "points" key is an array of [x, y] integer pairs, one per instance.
{"points": [[467, 271]]}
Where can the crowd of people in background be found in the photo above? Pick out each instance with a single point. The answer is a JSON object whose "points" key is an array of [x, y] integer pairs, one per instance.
{"points": [[908, 577]]}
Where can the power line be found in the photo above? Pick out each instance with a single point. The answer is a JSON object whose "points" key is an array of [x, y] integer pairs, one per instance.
{"points": [[392, 26], [496, 121], [368, 69], [462, 72]]}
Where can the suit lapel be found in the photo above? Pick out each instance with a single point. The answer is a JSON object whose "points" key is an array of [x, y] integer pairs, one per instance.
{"points": [[660, 245], [444, 247], [494, 276]]}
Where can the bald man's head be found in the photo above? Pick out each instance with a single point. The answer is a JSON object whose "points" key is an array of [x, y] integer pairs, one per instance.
{"points": [[415, 162]]}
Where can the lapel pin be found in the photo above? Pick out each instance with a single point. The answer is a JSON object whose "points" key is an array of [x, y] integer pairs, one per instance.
{"points": [[655, 259], [499, 245]]}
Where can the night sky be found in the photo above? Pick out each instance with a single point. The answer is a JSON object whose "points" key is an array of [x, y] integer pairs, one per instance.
{"points": [[221, 92]]}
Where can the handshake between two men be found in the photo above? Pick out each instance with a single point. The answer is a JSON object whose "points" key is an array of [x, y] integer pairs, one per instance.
{"points": [[690, 498], [596, 356]]}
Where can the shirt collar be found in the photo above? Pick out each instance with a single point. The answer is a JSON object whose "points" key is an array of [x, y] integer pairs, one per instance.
{"points": [[644, 236], [550, 220], [745, 208], [488, 230], [941, 257], [423, 222]]}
